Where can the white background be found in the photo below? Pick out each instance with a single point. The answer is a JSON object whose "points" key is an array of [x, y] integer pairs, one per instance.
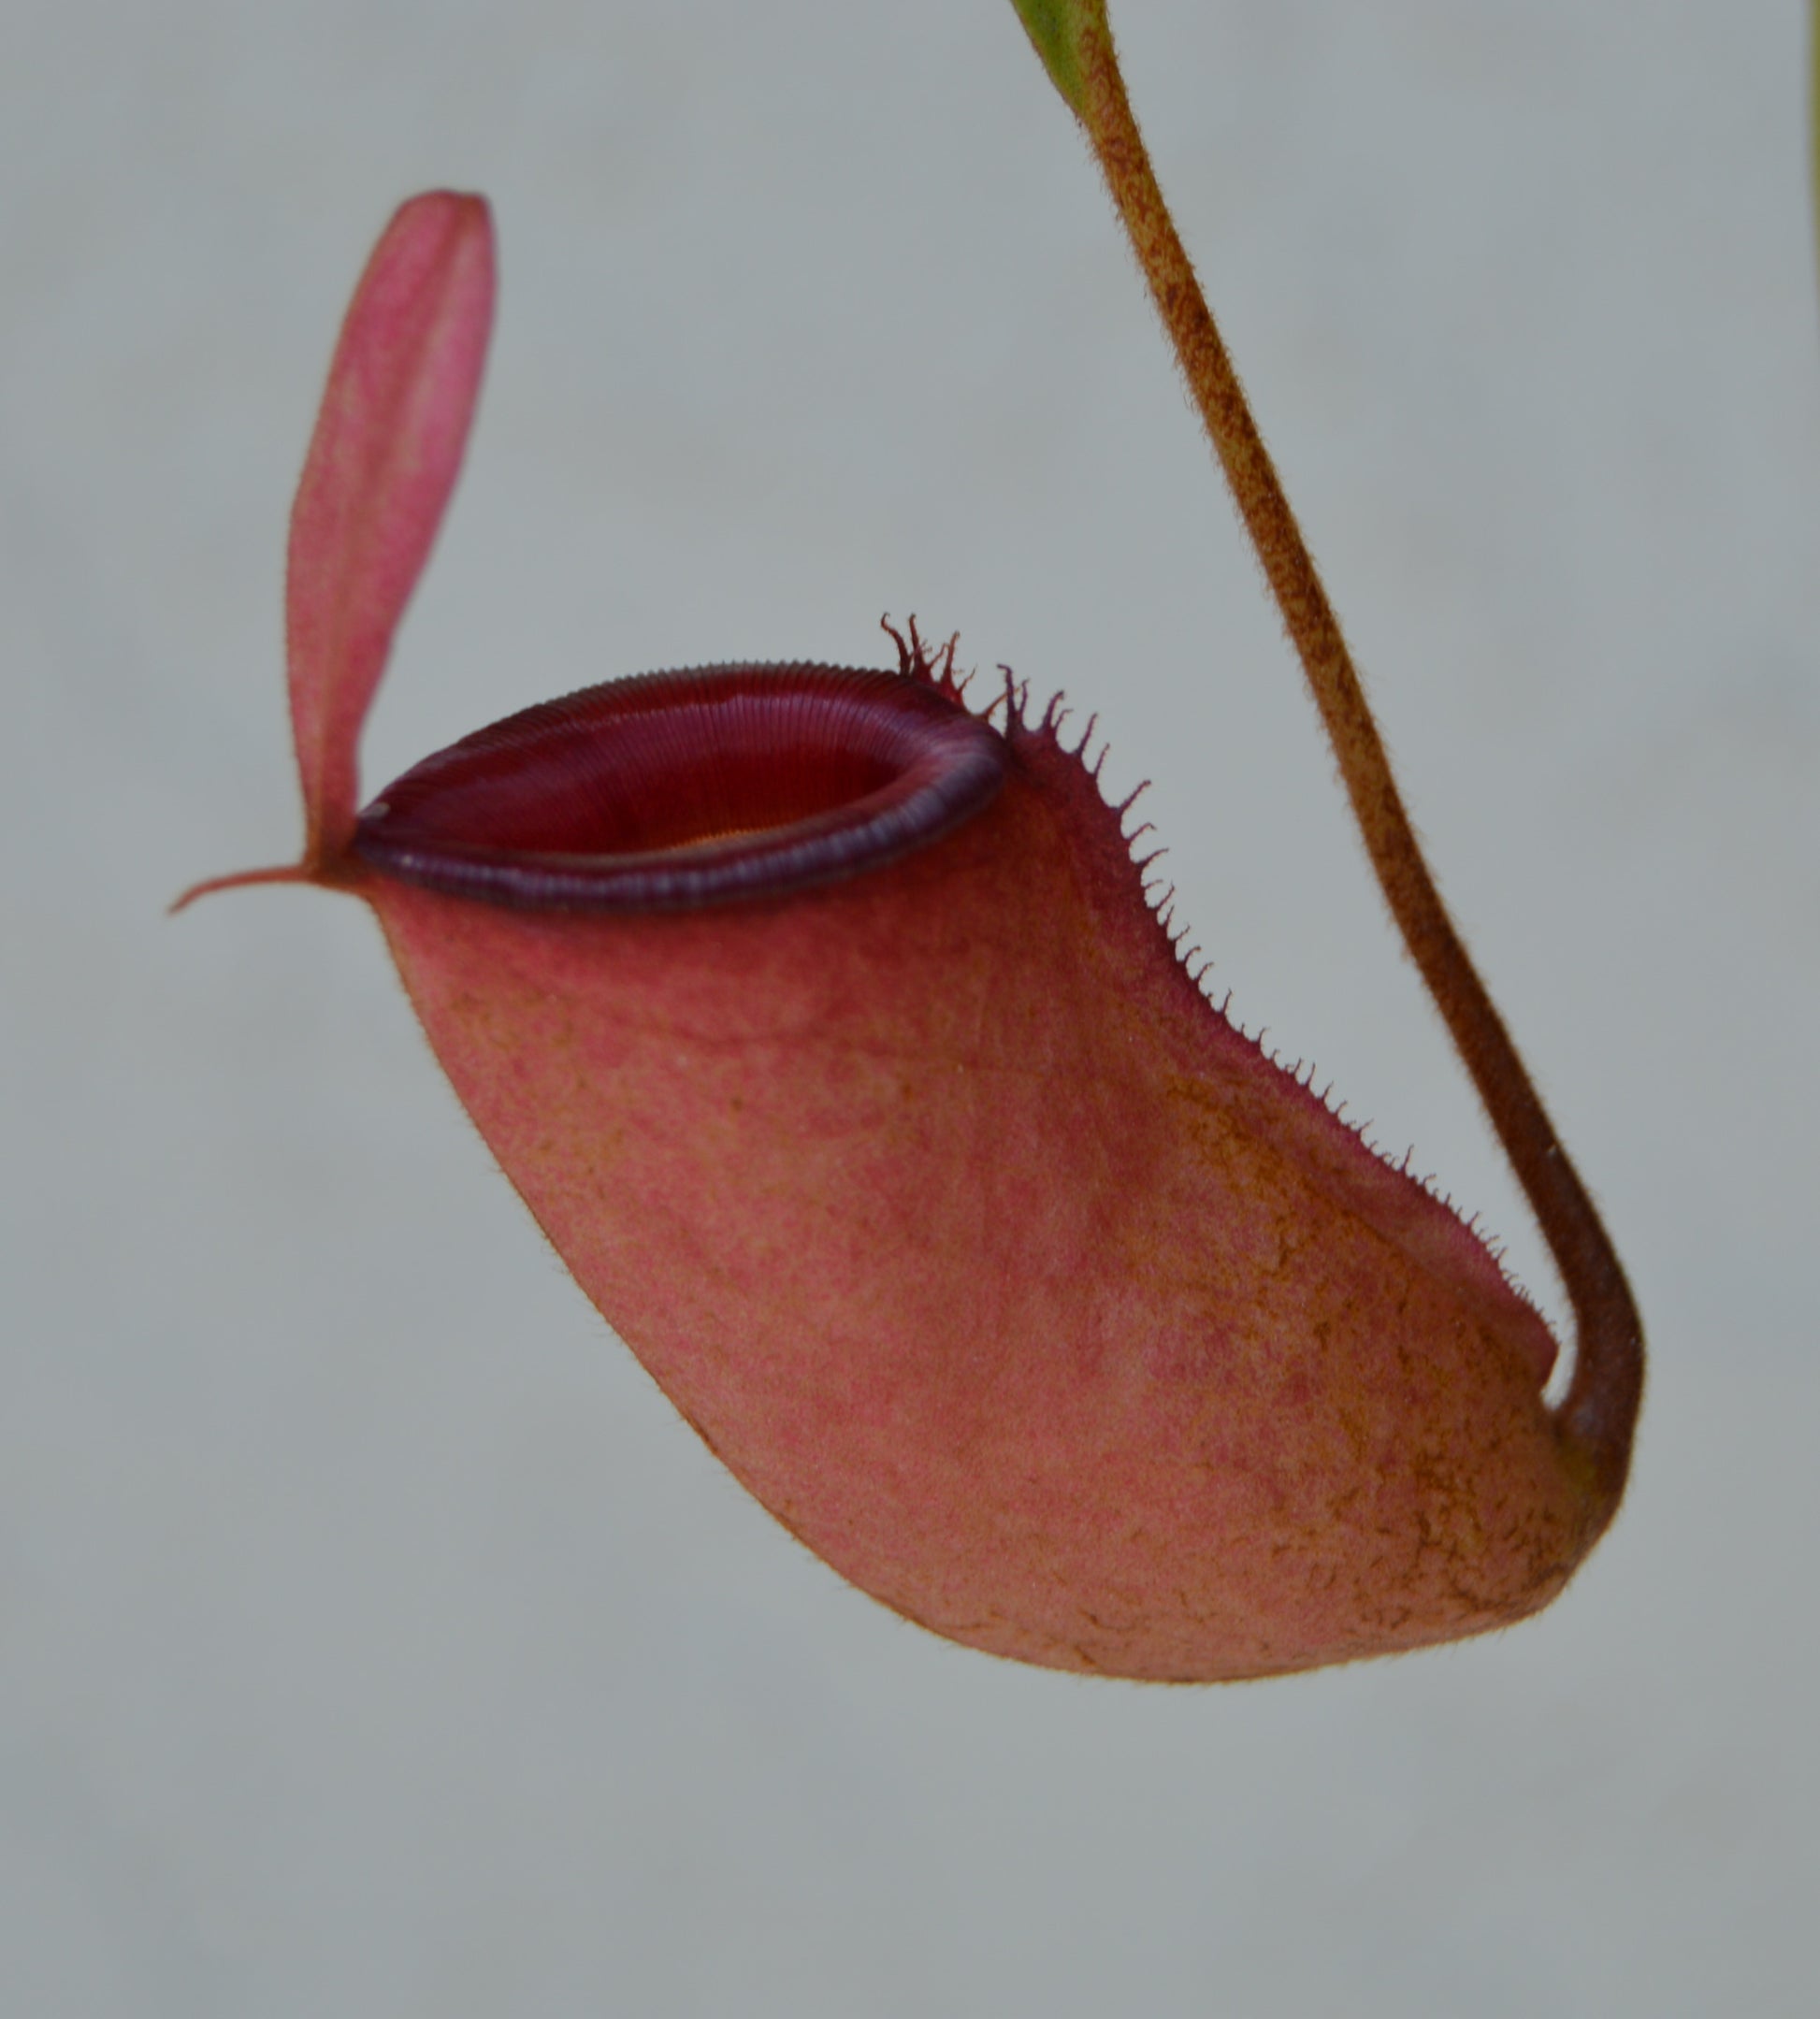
{"points": [[373, 1639]]}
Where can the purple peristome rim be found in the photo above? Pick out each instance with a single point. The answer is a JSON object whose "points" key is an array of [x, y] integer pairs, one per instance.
{"points": [[675, 791]]}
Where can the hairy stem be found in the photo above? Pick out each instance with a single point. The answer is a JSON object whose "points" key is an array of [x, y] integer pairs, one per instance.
{"points": [[1599, 1413]]}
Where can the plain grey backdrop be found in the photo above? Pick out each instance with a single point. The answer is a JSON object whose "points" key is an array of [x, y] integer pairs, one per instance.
{"points": [[374, 1637]]}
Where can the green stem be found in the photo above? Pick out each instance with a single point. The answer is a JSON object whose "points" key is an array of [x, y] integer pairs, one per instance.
{"points": [[1599, 1413]]}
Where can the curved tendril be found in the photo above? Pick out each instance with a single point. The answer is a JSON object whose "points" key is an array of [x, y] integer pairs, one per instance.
{"points": [[1599, 1413]]}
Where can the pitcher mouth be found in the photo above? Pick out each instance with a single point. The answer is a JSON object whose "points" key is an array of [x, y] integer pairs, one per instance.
{"points": [[675, 791]]}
